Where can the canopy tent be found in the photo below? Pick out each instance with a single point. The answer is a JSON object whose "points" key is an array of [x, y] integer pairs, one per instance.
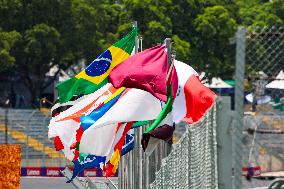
{"points": [[231, 82], [218, 83], [280, 75], [278, 83]]}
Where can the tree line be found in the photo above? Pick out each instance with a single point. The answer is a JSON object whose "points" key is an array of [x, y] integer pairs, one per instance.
{"points": [[35, 35]]}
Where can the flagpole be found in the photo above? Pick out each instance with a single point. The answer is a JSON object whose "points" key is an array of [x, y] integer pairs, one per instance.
{"points": [[135, 160], [146, 158], [170, 65], [140, 132], [169, 50]]}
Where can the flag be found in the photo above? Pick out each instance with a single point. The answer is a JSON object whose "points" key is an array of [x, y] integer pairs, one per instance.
{"points": [[128, 143], [88, 103], [95, 75], [134, 105], [114, 155], [57, 108], [146, 70], [88, 162], [191, 103], [64, 137], [105, 146], [165, 113], [64, 127], [88, 120], [164, 132], [110, 148], [193, 99]]}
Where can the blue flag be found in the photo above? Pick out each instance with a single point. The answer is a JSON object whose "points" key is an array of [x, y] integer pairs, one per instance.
{"points": [[87, 121], [128, 143], [90, 161]]}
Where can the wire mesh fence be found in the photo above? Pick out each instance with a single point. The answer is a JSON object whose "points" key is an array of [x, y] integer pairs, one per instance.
{"points": [[191, 163], [259, 135]]}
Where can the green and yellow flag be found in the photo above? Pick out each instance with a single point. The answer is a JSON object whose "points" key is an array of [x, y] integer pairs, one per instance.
{"points": [[96, 74]]}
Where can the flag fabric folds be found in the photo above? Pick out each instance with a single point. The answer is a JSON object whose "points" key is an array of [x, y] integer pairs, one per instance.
{"points": [[93, 121], [146, 70], [115, 154], [95, 75], [66, 124], [129, 142], [123, 134], [193, 99], [129, 107], [89, 161], [164, 132]]}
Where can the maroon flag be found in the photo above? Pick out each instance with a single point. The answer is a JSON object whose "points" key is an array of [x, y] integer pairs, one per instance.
{"points": [[164, 132], [146, 70]]}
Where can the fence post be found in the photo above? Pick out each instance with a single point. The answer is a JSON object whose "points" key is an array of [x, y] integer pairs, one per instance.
{"points": [[224, 143], [239, 104]]}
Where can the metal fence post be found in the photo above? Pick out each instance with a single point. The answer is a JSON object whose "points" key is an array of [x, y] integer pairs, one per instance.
{"points": [[120, 174], [239, 103], [130, 170], [224, 141]]}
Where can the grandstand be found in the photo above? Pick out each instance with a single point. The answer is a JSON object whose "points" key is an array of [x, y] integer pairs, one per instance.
{"points": [[29, 128]]}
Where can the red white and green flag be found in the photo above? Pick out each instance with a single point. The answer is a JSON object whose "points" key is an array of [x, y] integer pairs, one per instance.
{"points": [[193, 99]]}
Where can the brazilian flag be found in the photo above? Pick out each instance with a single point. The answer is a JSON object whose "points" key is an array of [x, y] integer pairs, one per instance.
{"points": [[95, 75]]}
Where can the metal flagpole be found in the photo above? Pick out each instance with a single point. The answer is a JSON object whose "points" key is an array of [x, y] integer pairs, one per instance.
{"points": [[126, 172], [164, 145], [139, 137], [132, 157]]}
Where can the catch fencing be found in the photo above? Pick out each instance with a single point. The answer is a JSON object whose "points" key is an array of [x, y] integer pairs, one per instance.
{"points": [[191, 163], [258, 138]]}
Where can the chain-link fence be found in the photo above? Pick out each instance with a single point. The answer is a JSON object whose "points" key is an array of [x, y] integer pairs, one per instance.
{"points": [[259, 101], [191, 163], [193, 160]]}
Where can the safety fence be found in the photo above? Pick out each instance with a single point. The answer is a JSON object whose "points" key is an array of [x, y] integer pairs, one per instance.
{"points": [[259, 100], [191, 163]]}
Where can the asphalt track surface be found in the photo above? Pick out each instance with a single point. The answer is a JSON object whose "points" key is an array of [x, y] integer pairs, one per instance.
{"points": [[55, 183], [60, 183]]}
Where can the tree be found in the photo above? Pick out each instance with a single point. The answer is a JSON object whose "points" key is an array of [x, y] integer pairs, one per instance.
{"points": [[7, 41], [38, 34], [254, 13], [48, 33], [35, 54], [212, 47]]}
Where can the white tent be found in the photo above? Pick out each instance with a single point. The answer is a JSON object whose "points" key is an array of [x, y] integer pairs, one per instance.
{"points": [[278, 83], [218, 83], [280, 75]]}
